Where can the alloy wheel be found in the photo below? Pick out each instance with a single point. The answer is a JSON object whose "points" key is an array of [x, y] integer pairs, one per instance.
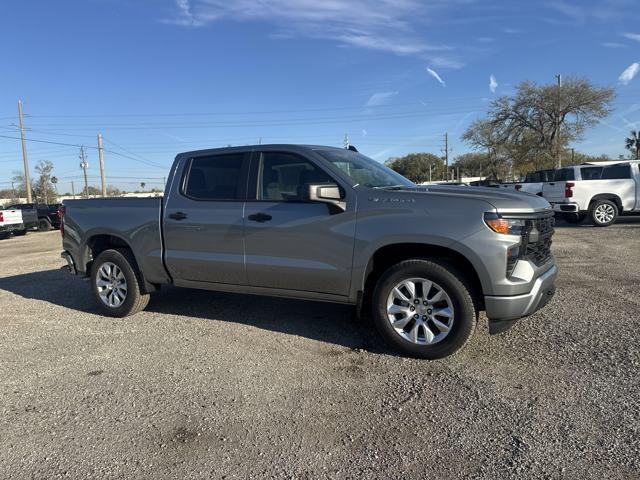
{"points": [[420, 311], [604, 213], [112, 284]]}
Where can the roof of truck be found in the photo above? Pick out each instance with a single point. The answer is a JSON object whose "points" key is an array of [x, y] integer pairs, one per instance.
{"points": [[263, 146]]}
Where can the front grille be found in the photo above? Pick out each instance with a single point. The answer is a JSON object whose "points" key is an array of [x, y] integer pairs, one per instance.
{"points": [[537, 240]]}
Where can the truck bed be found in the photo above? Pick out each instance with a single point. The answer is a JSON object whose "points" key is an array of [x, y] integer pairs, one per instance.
{"points": [[136, 221]]}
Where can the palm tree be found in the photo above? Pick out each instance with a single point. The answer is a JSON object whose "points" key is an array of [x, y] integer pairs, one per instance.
{"points": [[633, 143]]}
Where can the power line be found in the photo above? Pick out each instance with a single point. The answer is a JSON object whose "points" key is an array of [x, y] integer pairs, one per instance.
{"points": [[78, 146]]}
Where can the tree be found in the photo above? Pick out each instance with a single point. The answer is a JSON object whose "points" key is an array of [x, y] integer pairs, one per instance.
{"points": [[44, 189], [20, 184], [526, 126], [632, 143], [142, 185], [418, 167], [113, 191]]}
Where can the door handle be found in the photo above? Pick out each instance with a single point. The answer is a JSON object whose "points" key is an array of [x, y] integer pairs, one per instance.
{"points": [[259, 217], [178, 216]]}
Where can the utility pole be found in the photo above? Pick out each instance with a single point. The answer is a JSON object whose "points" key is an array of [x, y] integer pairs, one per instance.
{"points": [[84, 165], [446, 155], [25, 159], [558, 145], [345, 142], [429, 172], [101, 161], [73, 190]]}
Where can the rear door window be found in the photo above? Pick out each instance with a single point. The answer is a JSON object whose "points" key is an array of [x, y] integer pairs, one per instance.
{"points": [[615, 172], [591, 173], [216, 177]]}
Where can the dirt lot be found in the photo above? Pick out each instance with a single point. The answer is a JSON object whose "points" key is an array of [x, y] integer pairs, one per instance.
{"points": [[207, 385]]}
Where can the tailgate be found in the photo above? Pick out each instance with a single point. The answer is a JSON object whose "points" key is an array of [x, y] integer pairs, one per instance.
{"points": [[553, 192], [11, 217]]}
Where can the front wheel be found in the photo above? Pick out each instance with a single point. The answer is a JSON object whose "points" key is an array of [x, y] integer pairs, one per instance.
{"points": [[603, 213], [20, 233], [115, 284], [424, 309]]}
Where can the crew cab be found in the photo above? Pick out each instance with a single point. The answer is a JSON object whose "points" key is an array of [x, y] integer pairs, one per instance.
{"points": [[598, 190], [327, 224]]}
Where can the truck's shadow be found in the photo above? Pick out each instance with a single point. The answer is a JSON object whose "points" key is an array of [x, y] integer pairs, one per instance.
{"points": [[319, 321]]}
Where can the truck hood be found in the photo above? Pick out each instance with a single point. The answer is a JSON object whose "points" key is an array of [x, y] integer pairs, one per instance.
{"points": [[503, 201]]}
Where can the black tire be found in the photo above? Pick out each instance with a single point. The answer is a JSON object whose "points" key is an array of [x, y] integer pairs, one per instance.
{"points": [[4, 235], [596, 215], [574, 218], [134, 301], [44, 225], [454, 284], [20, 233]]}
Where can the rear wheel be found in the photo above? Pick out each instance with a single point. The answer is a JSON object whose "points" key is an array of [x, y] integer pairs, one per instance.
{"points": [[44, 225], [4, 235], [423, 309], [603, 213], [116, 284]]}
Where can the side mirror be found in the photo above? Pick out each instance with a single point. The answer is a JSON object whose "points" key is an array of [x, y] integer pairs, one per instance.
{"points": [[328, 193]]}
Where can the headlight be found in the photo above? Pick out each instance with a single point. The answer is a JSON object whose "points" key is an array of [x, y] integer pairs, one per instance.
{"points": [[506, 226]]}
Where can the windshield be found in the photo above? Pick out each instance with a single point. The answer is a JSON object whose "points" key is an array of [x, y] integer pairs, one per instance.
{"points": [[364, 170]]}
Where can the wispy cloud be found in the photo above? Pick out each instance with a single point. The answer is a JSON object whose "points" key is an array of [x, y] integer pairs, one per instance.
{"points": [[380, 98], [629, 73], [493, 83], [632, 36], [614, 45], [435, 75], [185, 17], [575, 12], [385, 25], [513, 31]]}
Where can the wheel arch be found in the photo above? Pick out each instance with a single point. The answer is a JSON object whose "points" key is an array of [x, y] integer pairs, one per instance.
{"points": [[388, 255], [607, 196], [98, 243]]}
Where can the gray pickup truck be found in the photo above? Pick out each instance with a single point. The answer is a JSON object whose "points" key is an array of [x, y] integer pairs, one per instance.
{"points": [[328, 224]]}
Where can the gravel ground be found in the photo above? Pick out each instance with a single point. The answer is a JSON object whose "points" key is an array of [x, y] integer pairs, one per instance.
{"points": [[207, 385]]}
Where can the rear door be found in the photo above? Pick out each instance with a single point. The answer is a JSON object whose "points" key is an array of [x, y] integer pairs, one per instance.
{"points": [[292, 244], [203, 219]]}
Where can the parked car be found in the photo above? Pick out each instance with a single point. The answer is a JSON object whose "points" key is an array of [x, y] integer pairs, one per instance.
{"points": [[11, 222], [40, 216], [600, 191], [328, 224]]}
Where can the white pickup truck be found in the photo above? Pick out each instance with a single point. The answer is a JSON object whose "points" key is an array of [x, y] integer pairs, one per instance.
{"points": [[532, 183], [601, 191], [11, 221]]}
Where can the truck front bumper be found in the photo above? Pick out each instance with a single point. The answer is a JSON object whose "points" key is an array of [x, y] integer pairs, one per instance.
{"points": [[503, 311]]}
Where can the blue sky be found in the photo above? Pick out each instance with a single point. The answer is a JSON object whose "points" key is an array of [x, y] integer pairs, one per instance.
{"points": [[164, 76]]}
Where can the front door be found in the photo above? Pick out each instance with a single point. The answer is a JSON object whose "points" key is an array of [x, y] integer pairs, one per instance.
{"points": [[289, 243], [203, 224]]}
